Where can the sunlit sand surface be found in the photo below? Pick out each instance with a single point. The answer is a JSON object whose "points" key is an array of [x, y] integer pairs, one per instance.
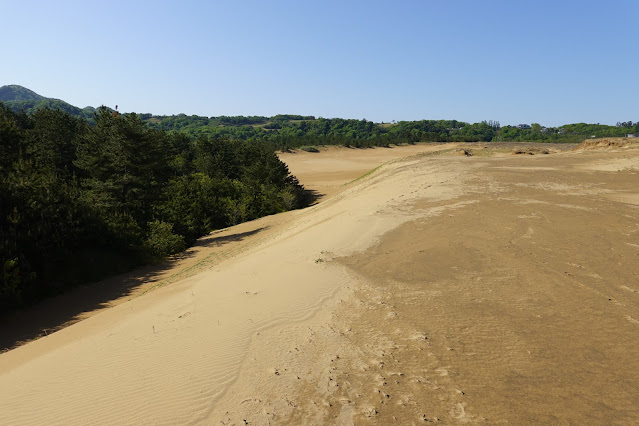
{"points": [[439, 287]]}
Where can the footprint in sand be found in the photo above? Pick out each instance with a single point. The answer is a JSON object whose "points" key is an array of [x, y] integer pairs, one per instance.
{"points": [[632, 320], [371, 412], [419, 337], [459, 413], [442, 371]]}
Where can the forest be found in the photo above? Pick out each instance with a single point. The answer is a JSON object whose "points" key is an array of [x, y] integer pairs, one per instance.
{"points": [[283, 132], [80, 201], [288, 131]]}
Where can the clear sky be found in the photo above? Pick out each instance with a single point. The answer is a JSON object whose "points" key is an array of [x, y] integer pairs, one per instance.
{"points": [[552, 62]]}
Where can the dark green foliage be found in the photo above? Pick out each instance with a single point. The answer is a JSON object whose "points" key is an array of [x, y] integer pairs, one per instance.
{"points": [[568, 133], [52, 139], [481, 132], [238, 120], [80, 201], [309, 148], [193, 204], [31, 106], [122, 165], [161, 240], [283, 132], [10, 139]]}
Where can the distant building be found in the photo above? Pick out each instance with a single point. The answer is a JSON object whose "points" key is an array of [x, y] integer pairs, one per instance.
{"points": [[523, 126], [632, 135]]}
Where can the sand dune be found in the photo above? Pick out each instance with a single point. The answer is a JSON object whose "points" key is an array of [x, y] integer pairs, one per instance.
{"points": [[437, 288]]}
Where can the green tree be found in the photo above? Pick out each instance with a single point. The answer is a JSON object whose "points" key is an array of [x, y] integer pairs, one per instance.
{"points": [[123, 167]]}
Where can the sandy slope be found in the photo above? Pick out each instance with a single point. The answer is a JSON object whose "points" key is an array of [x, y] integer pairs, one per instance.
{"points": [[484, 289], [325, 175], [168, 356], [328, 172]]}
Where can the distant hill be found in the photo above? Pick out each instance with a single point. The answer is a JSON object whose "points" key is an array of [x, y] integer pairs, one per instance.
{"points": [[13, 92], [20, 98]]}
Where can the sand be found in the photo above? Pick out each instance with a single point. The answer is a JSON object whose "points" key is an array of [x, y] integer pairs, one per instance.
{"points": [[438, 288]]}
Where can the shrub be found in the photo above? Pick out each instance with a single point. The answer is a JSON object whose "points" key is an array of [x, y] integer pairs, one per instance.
{"points": [[162, 241], [309, 148]]}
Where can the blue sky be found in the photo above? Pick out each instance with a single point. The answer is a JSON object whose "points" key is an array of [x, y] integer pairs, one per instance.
{"points": [[552, 62]]}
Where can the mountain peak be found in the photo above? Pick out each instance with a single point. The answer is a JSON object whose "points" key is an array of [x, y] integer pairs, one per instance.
{"points": [[13, 92]]}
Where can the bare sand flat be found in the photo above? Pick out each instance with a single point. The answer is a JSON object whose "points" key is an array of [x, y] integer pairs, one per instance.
{"points": [[327, 173], [439, 288]]}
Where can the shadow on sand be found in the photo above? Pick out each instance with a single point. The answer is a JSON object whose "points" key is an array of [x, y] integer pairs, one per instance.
{"points": [[63, 310], [312, 197]]}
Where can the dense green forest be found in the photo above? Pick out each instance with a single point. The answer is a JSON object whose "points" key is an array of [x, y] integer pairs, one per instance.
{"points": [[79, 201], [285, 131]]}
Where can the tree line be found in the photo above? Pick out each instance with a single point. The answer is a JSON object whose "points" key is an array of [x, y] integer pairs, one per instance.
{"points": [[287, 131], [79, 201]]}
